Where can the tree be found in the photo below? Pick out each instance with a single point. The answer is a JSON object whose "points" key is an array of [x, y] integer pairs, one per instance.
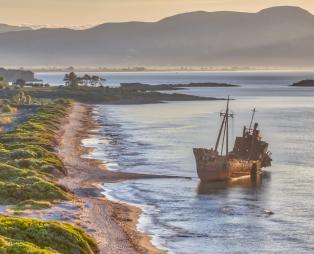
{"points": [[85, 80], [71, 80], [20, 82], [97, 81], [94, 80], [101, 82]]}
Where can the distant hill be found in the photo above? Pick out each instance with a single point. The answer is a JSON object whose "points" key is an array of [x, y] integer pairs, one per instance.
{"points": [[4, 28], [278, 36]]}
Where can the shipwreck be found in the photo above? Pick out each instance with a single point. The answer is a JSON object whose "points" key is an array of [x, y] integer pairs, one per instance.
{"points": [[247, 159]]}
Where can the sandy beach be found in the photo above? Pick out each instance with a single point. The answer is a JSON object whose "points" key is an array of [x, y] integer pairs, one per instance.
{"points": [[113, 225]]}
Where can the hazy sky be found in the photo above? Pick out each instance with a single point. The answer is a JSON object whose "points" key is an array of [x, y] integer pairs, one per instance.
{"points": [[91, 12]]}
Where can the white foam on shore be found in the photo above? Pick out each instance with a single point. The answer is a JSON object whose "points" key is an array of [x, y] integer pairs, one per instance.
{"points": [[92, 142], [144, 221], [3, 208]]}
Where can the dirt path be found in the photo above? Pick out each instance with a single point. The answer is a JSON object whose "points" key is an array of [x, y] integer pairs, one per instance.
{"points": [[113, 225]]}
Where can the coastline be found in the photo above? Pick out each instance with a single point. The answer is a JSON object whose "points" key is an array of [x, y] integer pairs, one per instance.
{"points": [[112, 224]]}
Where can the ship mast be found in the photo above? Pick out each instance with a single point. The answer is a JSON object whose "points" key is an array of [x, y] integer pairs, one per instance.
{"points": [[224, 129], [253, 114], [253, 133]]}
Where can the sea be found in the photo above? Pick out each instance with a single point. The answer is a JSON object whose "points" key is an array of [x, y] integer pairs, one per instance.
{"points": [[274, 214]]}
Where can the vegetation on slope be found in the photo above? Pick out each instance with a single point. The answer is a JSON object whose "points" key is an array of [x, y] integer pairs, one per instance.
{"points": [[27, 159], [61, 237], [8, 246], [27, 165], [9, 114]]}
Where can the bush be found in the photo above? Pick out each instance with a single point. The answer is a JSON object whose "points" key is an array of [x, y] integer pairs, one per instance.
{"points": [[8, 246], [4, 120], [18, 185], [26, 156], [61, 237], [21, 153], [8, 109], [25, 163], [32, 205]]}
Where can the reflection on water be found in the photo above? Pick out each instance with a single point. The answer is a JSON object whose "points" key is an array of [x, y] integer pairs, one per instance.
{"points": [[247, 182]]}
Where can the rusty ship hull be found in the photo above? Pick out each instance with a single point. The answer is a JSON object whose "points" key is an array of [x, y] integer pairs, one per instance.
{"points": [[220, 168]]}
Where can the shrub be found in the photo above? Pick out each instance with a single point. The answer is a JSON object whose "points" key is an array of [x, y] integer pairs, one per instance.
{"points": [[21, 153], [26, 156], [26, 163], [10, 173], [32, 205], [8, 109], [29, 187], [4, 120], [61, 237], [8, 246]]}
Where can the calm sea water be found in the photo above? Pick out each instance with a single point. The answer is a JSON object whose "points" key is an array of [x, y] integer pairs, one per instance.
{"points": [[185, 216]]}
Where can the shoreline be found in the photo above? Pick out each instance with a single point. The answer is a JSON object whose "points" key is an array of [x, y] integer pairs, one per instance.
{"points": [[112, 224], [178, 70]]}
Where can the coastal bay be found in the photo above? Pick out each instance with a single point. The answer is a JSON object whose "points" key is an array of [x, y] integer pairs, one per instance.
{"points": [[153, 127], [129, 168], [138, 139]]}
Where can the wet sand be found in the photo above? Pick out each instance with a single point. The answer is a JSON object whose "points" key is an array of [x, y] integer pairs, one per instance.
{"points": [[112, 224]]}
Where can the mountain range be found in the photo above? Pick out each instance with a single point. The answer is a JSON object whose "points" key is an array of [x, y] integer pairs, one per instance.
{"points": [[277, 36], [4, 28]]}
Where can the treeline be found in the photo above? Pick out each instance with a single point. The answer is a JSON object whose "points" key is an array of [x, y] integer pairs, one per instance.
{"points": [[72, 80], [20, 83]]}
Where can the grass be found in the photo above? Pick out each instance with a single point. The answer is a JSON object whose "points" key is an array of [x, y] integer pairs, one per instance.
{"points": [[39, 234], [27, 162], [8, 246], [27, 158], [6, 112], [32, 205], [8, 109], [5, 119]]}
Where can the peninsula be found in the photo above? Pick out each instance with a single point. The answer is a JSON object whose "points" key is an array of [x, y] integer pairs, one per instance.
{"points": [[304, 83], [170, 87], [104, 95]]}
